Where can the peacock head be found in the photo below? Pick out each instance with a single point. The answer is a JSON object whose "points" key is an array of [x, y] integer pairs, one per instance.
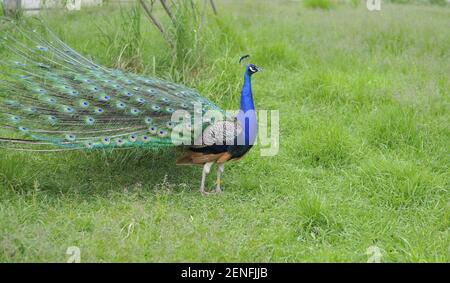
{"points": [[251, 69]]}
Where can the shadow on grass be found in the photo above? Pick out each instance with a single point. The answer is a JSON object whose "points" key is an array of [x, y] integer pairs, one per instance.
{"points": [[96, 173]]}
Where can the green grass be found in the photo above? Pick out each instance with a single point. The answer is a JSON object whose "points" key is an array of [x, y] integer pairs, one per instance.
{"points": [[364, 146], [318, 4]]}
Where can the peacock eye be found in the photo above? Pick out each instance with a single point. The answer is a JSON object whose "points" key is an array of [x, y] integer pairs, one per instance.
{"points": [[132, 138], [89, 144], [170, 125], [148, 120], [162, 133], [152, 130], [70, 137]]}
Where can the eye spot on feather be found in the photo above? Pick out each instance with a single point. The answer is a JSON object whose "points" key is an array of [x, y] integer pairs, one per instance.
{"points": [[140, 100], [134, 111], [84, 103], [98, 110], [132, 138], [30, 110], [148, 120], [136, 88], [165, 100], [184, 105], [170, 110], [121, 105], [41, 91], [156, 107], [120, 142], [15, 119], [152, 130], [23, 129], [51, 100], [128, 94], [41, 48], [145, 138], [104, 98], [162, 133], [89, 121], [70, 137], [89, 144], [151, 91], [94, 89], [106, 141], [68, 109], [52, 119], [170, 124], [188, 126]]}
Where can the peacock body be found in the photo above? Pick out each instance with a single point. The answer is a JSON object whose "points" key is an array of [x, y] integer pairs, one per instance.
{"points": [[54, 99]]}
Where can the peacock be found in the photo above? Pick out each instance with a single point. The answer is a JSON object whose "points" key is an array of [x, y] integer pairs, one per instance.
{"points": [[54, 99]]}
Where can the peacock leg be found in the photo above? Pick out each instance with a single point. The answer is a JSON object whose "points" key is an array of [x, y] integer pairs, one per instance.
{"points": [[206, 169], [220, 169]]}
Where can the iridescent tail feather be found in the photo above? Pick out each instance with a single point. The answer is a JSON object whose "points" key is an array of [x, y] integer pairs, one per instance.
{"points": [[53, 97]]}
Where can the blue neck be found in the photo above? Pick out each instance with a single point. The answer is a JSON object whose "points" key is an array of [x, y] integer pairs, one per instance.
{"points": [[246, 94], [247, 115]]}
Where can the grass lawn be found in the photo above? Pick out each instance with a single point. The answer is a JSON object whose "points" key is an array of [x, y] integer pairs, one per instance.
{"points": [[364, 144]]}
